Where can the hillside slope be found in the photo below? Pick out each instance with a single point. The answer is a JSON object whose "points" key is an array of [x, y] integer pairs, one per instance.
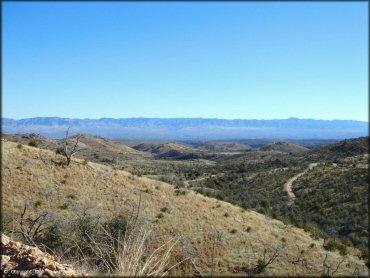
{"points": [[32, 176], [170, 150], [342, 149], [285, 147]]}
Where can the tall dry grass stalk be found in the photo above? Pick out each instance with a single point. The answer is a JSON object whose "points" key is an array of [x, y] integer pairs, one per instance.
{"points": [[130, 256], [132, 252]]}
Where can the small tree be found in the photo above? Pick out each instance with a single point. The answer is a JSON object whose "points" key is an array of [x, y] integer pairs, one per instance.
{"points": [[69, 149]]}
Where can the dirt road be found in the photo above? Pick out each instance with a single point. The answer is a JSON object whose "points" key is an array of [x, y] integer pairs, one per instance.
{"points": [[289, 183]]}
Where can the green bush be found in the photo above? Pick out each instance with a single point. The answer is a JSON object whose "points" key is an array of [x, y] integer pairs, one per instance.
{"points": [[20, 146], [33, 144], [331, 245], [71, 196], [117, 226], [342, 249], [165, 209], [60, 151], [64, 206], [38, 203], [180, 192]]}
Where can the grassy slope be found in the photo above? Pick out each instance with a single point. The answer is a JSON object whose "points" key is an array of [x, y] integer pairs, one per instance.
{"points": [[29, 174]]}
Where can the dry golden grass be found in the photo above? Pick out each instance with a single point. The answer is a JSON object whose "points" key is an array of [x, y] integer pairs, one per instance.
{"points": [[214, 236]]}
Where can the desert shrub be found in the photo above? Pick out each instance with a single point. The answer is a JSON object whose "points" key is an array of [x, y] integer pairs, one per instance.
{"points": [[220, 196], [226, 214], [331, 244], [60, 151], [165, 209], [313, 230], [260, 267], [38, 203], [64, 206], [312, 245], [342, 249], [180, 192], [249, 229], [118, 226], [160, 215], [233, 231], [117, 245], [33, 144], [71, 196], [19, 146]]}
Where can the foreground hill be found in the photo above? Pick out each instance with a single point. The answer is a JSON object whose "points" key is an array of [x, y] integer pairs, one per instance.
{"points": [[215, 236]]}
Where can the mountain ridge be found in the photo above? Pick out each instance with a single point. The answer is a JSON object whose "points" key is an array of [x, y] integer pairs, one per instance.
{"points": [[189, 128]]}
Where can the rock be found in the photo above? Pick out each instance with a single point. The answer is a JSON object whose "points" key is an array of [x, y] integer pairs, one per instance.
{"points": [[4, 259], [4, 240], [20, 260]]}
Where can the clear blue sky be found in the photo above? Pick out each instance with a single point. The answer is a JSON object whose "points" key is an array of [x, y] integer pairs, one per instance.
{"points": [[217, 60]]}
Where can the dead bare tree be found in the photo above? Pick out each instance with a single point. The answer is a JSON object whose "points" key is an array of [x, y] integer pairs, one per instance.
{"points": [[329, 270], [31, 229], [69, 148], [263, 263], [300, 259], [269, 256]]}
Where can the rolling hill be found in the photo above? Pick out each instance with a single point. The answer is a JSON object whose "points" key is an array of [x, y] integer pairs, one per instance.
{"points": [[170, 150], [217, 236], [285, 147], [345, 148]]}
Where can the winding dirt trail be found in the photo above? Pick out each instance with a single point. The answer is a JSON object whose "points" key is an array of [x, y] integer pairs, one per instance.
{"points": [[289, 183]]}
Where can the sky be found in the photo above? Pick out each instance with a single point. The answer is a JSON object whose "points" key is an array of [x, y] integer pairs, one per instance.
{"points": [[240, 60]]}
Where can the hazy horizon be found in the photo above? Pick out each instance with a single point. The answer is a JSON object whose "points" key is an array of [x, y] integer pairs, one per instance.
{"points": [[204, 118]]}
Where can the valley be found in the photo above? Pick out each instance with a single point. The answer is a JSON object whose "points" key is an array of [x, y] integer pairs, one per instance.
{"points": [[285, 194]]}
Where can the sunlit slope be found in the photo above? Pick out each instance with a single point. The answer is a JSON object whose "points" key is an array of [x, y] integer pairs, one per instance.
{"points": [[31, 174]]}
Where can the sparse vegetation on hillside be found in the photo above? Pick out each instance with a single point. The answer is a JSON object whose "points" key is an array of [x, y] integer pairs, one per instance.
{"points": [[333, 199], [253, 180]]}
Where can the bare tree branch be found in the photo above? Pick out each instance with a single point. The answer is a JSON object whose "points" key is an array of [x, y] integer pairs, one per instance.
{"points": [[69, 149]]}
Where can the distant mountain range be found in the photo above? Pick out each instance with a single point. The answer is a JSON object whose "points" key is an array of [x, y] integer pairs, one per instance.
{"points": [[189, 128]]}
